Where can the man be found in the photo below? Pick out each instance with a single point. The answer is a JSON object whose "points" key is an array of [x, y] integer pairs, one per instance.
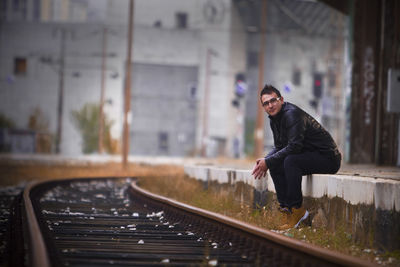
{"points": [[301, 146]]}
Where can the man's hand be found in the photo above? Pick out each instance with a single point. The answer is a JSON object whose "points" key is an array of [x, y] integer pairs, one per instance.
{"points": [[260, 169]]}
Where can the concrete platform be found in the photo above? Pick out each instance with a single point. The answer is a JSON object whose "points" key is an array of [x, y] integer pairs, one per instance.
{"points": [[361, 170], [383, 192], [365, 199]]}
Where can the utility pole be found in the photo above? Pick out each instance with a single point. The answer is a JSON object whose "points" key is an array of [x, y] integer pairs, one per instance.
{"points": [[127, 91], [204, 137], [60, 91], [103, 82], [259, 130], [206, 105]]}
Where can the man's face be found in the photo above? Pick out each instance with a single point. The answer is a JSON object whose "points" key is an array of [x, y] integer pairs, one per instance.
{"points": [[272, 103]]}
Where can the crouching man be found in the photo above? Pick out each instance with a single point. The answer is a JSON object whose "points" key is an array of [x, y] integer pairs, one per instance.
{"points": [[301, 147]]}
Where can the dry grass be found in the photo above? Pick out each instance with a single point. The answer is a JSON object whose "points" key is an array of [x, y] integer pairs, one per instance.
{"points": [[13, 173], [190, 191]]}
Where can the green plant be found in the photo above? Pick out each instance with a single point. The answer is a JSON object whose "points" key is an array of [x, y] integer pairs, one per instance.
{"points": [[87, 121], [6, 122]]}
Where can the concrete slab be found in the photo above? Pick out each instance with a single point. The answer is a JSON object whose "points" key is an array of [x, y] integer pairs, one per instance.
{"points": [[383, 193]]}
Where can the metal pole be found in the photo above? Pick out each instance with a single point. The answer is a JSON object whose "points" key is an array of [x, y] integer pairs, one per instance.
{"points": [[259, 130], [60, 91], [127, 91], [206, 104], [378, 129], [103, 81]]}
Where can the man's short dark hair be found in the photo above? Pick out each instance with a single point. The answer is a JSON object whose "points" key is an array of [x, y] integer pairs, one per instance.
{"points": [[269, 89]]}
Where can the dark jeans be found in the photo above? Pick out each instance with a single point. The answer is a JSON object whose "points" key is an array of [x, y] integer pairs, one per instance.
{"points": [[287, 176]]}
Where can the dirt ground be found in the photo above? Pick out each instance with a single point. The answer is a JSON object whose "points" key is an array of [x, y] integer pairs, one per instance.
{"points": [[14, 173]]}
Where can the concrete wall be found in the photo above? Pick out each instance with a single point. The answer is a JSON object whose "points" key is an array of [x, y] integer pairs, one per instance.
{"points": [[163, 104], [224, 39], [222, 34], [166, 45], [38, 88]]}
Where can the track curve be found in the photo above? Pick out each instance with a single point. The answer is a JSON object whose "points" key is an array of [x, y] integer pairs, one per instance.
{"points": [[111, 221]]}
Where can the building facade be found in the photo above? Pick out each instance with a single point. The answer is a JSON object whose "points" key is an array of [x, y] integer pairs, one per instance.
{"points": [[304, 58], [185, 58]]}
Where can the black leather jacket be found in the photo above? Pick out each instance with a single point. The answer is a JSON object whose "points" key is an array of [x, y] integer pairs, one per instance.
{"points": [[295, 131]]}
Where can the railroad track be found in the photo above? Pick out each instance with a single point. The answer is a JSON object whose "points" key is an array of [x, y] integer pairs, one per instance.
{"points": [[111, 221], [11, 236]]}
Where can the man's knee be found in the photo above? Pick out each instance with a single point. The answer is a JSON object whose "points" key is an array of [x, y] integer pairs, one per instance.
{"points": [[291, 161], [277, 171]]}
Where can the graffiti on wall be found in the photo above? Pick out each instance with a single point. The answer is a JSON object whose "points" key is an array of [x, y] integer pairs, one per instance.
{"points": [[368, 86]]}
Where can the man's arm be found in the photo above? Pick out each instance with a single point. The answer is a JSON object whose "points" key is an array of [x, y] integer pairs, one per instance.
{"points": [[295, 131], [273, 151]]}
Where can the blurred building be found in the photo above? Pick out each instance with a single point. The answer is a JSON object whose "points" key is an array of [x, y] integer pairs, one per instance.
{"points": [[195, 70], [342, 66], [38, 59], [186, 57], [304, 58]]}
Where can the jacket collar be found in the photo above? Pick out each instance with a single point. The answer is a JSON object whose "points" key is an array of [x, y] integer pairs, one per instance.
{"points": [[279, 115]]}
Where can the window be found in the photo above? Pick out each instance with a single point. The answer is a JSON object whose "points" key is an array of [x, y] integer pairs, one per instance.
{"points": [[20, 66], [296, 77], [252, 59], [163, 141], [157, 24], [181, 20], [192, 91]]}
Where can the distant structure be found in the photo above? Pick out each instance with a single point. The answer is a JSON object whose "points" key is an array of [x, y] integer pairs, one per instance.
{"points": [[305, 58], [186, 57], [195, 68]]}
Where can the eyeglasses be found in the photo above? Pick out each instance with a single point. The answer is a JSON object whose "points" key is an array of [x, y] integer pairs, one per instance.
{"points": [[272, 101]]}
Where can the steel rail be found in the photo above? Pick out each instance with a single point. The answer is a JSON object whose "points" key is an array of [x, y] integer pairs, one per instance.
{"points": [[38, 252], [248, 237], [309, 249]]}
